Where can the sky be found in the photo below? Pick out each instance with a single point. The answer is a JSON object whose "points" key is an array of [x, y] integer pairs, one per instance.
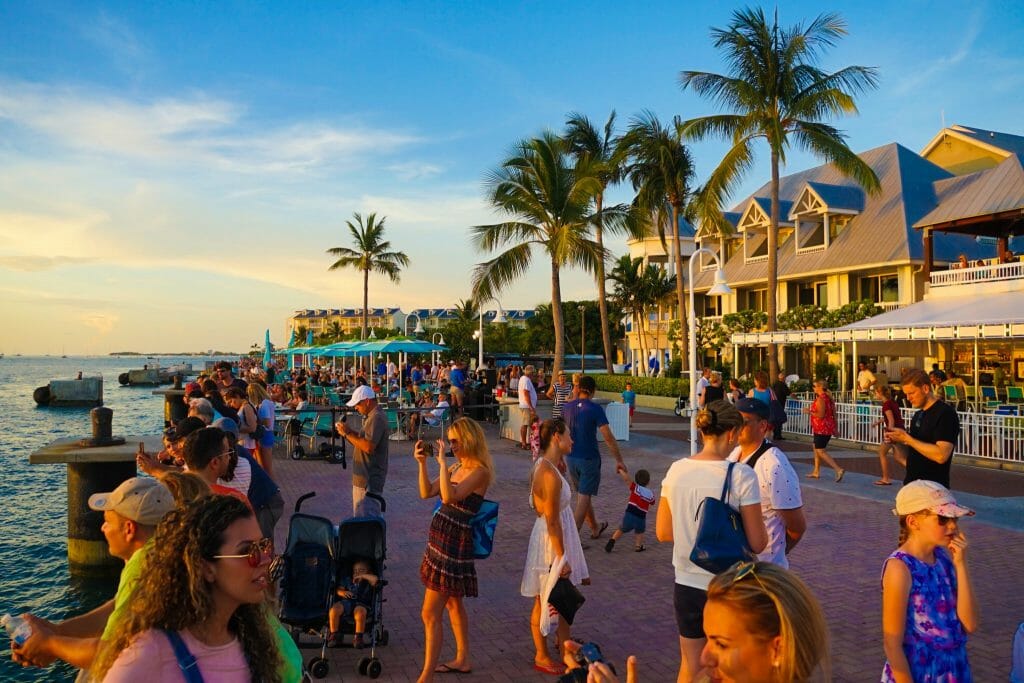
{"points": [[171, 173]]}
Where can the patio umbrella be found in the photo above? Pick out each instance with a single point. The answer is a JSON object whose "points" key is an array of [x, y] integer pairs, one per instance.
{"points": [[266, 350]]}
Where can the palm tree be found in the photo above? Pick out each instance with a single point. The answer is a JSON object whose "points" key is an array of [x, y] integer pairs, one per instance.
{"points": [[548, 199], [779, 94], [638, 289], [661, 171], [372, 253], [602, 148]]}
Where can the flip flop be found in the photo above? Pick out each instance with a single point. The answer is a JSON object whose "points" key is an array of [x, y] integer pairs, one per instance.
{"points": [[600, 530], [448, 669], [839, 475], [813, 476], [882, 483], [553, 669]]}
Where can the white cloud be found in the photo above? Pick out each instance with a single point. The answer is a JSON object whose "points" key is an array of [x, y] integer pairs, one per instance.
{"points": [[103, 323], [917, 75], [415, 170]]}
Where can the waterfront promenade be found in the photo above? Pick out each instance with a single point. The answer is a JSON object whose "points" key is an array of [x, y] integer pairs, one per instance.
{"points": [[629, 605]]}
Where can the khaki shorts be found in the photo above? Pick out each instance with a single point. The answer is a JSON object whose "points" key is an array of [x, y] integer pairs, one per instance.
{"points": [[458, 394]]}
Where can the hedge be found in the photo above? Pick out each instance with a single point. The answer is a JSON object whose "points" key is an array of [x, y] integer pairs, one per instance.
{"points": [[648, 386]]}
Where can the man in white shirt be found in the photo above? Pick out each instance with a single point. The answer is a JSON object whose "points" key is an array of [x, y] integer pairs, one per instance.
{"points": [[781, 502], [527, 406], [703, 382], [865, 378]]}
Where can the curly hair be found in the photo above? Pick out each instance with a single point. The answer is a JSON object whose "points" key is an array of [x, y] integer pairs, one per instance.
{"points": [[774, 602], [173, 595]]}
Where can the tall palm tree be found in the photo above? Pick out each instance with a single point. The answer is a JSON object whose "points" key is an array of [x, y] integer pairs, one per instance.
{"points": [[548, 198], [626, 290], [372, 253], [603, 148], [661, 171], [777, 93]]}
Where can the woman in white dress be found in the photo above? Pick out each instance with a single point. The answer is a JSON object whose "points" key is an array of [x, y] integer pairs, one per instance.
{"points": [[555, 541]]}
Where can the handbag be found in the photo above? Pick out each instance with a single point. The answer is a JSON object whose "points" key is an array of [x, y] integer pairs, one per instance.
{"points": [[566, 599], [484, 523], [721, 541], [776, 411]]}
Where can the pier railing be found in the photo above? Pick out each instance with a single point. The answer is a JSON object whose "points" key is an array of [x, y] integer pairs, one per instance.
{"points": [[982, 435]]}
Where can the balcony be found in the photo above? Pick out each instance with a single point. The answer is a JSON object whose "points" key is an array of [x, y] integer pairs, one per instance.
{"points": [[988, 271]]}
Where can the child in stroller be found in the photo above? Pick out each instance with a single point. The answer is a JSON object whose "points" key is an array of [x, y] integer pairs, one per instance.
{"points": [[356, 599]]}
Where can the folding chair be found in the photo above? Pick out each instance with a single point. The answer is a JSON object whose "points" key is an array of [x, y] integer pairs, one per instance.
{"points": [[1014, 394], [989, 394]]}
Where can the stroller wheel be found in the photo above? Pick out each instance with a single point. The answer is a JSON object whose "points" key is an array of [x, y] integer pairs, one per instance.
{"points": [[336, 456], [297, 453], [318, 667], [362, 665], [374, 668]]}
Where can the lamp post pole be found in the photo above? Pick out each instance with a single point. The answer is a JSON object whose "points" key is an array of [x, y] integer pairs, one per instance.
{"points": [[719, 288], [435, 356]]}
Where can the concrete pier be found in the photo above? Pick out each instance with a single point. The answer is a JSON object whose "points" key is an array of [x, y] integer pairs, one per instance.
{"points": [[61, 393]]}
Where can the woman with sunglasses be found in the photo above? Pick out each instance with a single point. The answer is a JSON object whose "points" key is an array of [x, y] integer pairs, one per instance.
{"points": [[447, 570], [928, 604], [763, 625], [688, 482], [202, 594]]}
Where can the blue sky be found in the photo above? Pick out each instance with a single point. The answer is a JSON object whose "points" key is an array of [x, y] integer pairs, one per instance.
{"points": [[171, 173]]}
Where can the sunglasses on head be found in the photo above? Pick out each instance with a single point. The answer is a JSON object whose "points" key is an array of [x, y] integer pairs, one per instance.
{"points": [[258, 550]]}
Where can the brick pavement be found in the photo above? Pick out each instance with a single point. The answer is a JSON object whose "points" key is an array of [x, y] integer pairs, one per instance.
{"points": [[629, 605]]}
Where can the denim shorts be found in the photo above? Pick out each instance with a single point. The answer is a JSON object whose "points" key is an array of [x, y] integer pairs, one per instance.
{"points": [[585, 474], [633, 521]]}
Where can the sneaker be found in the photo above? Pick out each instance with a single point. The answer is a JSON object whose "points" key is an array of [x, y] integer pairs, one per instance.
{"points": [[639, 549], [332, 640], [357, 641], [609, 545]]}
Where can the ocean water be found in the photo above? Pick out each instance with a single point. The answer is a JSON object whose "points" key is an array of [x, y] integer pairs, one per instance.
{"points": [[33, 498]]}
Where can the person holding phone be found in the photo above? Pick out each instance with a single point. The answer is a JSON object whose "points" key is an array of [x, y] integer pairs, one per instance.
{"points": [[447, 570]]}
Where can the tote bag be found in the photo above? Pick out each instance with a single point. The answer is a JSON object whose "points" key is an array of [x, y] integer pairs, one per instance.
{"points": [[721, 541], [484, 523]]}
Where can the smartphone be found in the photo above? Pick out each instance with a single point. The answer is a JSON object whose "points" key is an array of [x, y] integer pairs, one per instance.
{"points": [[428, 448]]}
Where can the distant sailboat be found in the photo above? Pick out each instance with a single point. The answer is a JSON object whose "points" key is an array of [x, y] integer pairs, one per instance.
{"points": [[62, 354]]}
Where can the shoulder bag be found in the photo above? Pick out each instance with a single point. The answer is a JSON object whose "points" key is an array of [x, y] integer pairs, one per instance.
{"points": [[721, 541], [484, 523], [776, 410]]}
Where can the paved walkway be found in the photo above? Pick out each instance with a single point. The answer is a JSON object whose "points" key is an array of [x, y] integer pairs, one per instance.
{"points": [[629, 605]]}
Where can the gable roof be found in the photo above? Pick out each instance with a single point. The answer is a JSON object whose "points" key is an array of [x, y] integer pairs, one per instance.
{"points": [[1003, 142], [986, 192], [848, 197], [881, 234]]}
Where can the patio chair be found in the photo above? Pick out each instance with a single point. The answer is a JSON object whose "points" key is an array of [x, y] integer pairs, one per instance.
{"points": [[1014, 394], [441, 426], [949, 393], [989, 394]]}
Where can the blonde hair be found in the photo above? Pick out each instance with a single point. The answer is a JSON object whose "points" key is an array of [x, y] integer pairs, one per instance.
{"points": [[186, 487], [257, 394], [823, 383], [473, 443], [773, 602], [720, 417]]}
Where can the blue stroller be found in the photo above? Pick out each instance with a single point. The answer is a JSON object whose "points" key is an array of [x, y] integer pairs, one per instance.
{"points": [[307, 581], [365, 538]]}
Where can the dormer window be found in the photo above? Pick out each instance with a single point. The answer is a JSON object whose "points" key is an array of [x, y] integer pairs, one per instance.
{"points": [[821, 212], [754, 224]]}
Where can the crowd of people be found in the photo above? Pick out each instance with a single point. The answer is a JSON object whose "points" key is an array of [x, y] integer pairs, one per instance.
{"points": [[196, 533]]}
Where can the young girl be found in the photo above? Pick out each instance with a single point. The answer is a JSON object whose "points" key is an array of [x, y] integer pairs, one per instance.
{"points": [[823, 427], [928, 604], [891, 418]]}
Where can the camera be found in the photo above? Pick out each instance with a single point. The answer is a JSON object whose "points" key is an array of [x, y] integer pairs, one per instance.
{"points": [[587, 654]]}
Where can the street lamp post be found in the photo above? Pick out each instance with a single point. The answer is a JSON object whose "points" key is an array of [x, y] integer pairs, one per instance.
{"points": [[419, 325], [719, 288], [435, 355], [583, 339], [499, 317]]}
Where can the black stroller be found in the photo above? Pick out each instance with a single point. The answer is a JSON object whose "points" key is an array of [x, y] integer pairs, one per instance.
{"points": [[365, 538], [307, 581]]}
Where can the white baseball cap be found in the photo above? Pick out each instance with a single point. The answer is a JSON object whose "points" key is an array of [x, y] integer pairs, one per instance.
{"points": [[921, 495], [361, 394]]}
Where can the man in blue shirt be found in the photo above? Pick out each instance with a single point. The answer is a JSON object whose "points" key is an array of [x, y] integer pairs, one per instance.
{"points": [[584, 419], [457, 378]]}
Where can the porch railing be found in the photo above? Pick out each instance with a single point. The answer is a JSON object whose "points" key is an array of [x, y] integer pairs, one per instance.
{"points": [[982, 435], [985, 273]]}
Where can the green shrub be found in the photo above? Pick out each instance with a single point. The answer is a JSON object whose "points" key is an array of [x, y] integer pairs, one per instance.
{"points": [[675, 368], [647, 386]]}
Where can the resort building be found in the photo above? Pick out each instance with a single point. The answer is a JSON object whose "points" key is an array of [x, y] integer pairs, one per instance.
{"points": [[933, 248], [350, 320], [433, 319]]}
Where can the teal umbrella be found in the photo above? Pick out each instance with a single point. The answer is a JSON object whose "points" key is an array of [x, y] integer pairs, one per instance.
{"points": [[266, 350]]}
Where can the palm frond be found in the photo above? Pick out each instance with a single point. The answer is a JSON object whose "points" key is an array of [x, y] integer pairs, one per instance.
{"points": [[828, 143], [491, 277]]}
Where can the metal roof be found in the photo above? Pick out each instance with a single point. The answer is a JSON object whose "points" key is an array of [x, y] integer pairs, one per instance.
{"points": [[881, 234], [850, 197], [1005, 141], [993, 190]]}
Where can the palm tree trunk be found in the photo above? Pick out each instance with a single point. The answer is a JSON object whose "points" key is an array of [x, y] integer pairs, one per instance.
{"points": [[366, 301], [602, 306], [556, 318], [680, 295], [773, 269]]}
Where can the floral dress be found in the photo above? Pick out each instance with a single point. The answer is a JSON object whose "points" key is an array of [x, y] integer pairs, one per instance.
{"points": [[447, 565], [934, 642]]}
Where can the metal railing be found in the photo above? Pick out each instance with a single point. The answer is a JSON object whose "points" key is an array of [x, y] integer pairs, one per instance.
{"points": [[984, 273], [982, 435]]}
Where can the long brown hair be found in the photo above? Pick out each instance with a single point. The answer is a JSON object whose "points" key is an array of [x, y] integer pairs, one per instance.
{"points": [[173, 595]]}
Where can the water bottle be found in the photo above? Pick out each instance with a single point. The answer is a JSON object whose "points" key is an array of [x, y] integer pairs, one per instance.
{"points": [[17, 628]]}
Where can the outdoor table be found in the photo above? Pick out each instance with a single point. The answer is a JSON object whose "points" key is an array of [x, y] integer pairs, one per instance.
{"points": [[332, 409]]}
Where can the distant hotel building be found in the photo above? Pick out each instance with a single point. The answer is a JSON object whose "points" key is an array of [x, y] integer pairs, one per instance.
{"points": [[350, 320]]}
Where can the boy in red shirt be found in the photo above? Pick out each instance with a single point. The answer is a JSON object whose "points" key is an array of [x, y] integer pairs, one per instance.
{"points": [[635, 518]]}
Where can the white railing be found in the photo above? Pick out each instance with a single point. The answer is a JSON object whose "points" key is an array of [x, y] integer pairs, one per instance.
{"points": [[889, 305], [986, 273], [982, 435]]}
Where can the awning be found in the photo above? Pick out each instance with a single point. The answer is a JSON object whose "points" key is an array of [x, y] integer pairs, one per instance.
{"points": [[988, 316]]}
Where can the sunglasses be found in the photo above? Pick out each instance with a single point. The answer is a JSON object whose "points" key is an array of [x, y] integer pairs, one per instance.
{"points": [[745, 569], [258, 550]]}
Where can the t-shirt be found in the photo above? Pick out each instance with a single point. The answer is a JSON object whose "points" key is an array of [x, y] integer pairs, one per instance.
{"points": [[234, 493], [527, 394], [369, 470], [242, 478], [584, 418], [702, 384], [150, 657], [435, 415], [865, 378], [897, 414], [780, 490], [640, 499], [562, 392], [291, 659], [938, 423], [261, 487], [130, 576], [266, 412], [687, 483], [457, 377], [629, 397]]}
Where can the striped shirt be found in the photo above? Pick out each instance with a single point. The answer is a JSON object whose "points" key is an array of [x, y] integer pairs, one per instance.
{"points": [[562, 393]]}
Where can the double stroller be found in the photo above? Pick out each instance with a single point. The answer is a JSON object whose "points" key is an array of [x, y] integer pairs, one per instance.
{"points": [[317, 560]]}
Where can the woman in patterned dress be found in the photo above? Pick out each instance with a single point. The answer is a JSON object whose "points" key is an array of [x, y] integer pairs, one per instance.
{"points": [[447, 570]]}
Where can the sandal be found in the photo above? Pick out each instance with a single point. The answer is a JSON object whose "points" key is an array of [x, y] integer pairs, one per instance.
{"points": [[553, 669], [813, 476], [882, 483], [639, 549], [839, 475], [600, 530]]}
